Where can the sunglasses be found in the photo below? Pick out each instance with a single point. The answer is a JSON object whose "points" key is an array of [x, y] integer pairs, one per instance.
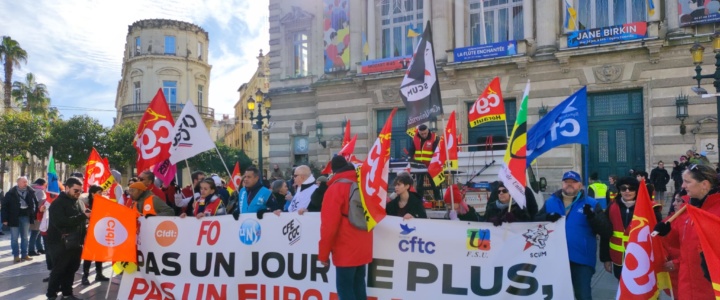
{"points": [[502, 191], [76, 191], [626, 188]]}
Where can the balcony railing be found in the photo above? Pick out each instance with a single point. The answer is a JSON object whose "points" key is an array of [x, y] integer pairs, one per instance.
{"points": [[175, 108]]}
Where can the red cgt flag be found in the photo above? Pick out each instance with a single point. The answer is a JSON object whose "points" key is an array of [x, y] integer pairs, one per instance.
{"points": [[489, 106], [348, 148], [706, 225], [97, 172], [236, 179], [436, 169], [642, 275], [346, 136], [451, 142], [373, 176], [111, 235], [153, 136]]}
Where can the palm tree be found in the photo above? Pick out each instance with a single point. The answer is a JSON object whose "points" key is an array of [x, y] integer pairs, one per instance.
{"points": [[32, 96], [12, 55]]}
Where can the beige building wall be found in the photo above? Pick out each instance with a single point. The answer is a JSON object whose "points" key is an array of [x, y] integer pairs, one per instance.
{"points": [[659, 66], [150, 62]]}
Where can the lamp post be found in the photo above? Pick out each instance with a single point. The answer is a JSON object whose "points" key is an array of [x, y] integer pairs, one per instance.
{"points": [[681, 103], [261, 100], [697, 56]]}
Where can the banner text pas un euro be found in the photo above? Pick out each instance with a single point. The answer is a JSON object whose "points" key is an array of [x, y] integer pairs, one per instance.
{"points": [[276, 258]]}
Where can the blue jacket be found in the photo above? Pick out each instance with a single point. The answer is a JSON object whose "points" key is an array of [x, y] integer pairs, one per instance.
{"points": [[259, 196], [579, 230]]}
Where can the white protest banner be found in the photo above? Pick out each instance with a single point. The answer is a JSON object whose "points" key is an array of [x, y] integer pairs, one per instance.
{"points": [[275, 258], [191, 136]]}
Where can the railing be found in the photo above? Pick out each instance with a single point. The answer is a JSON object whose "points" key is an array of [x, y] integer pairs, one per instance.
{"points": [[139, 108]]}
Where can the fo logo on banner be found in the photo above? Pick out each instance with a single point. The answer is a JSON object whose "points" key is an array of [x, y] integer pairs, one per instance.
{"points": [[291, 230], [166, 233], [109, 232], [250, 232]]}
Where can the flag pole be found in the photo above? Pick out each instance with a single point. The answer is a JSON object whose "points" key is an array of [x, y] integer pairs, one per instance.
{"points": [[223, 161], [585, 167], [107, 292]]}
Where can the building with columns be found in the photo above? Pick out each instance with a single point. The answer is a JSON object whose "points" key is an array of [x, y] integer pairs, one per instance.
{"points": [[337, 60], [169, 55]]}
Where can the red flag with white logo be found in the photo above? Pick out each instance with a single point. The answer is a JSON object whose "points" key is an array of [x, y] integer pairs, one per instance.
{"points": [[348, 148], [236, 179], [97, 172], [436, 169], [489, 106], [373, 179], [451, 142], [154, 134], [111, 235]]}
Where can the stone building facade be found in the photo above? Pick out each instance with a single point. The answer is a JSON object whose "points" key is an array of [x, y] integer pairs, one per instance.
{"points": [[634, 61], [169, 55]]}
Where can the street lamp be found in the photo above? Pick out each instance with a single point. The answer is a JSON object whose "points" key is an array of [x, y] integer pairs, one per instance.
{"points": [[697, 55], [681, 103], [261, 100]]}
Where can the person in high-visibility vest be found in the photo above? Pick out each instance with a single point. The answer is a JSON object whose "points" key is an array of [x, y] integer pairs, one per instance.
{"points": [[620, 213], [612, 189], [598, 191], [421, 150], [147, 203]]}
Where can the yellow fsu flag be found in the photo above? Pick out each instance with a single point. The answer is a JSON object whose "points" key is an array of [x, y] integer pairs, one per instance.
{"points": [[512, 173]]}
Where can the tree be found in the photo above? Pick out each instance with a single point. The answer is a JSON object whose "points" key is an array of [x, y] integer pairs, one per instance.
{"points": [[32, 96], [73, 139], [118, 145], [17, 133], [209, 161], [12, 55]]}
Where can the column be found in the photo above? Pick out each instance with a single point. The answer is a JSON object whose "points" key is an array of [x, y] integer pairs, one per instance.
{"points": [[371, 31], [528, 19], [548, 23], [656, 16], [427, 12], [671, 14], [460, 23], [440, 24], [356, 26]]}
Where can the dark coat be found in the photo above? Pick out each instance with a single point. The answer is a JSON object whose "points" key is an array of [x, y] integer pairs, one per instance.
{"points": [[414, 207], [659, 178], [316, 198], [11, 206], [66, 216], [276, 201], [470, 216], [494, 214]]}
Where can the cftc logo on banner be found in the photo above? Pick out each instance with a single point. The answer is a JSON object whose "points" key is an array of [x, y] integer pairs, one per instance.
{"points": [[291, 231], [414, 243], [250, 232]]}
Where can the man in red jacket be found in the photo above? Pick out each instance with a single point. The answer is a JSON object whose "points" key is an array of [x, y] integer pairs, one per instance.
{"points": [[351, 248]]}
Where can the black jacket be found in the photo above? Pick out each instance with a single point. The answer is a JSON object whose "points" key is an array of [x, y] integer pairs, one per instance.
{"points": [[11, 206], [659, 178], [316, 198], [470, 216], [530, 202], [677, 175], [66, 216], [414, 207], [493, 213], [626, 215], [276, 201]]}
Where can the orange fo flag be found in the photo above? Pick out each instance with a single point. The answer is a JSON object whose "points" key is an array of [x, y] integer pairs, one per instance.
{"points": [[153, 137], [643, 275], [451, 142], [706, 225], [235, 179], [436, 168], [111, 235], [346, 136], [373, 176], [97, 172], [489, 106]]}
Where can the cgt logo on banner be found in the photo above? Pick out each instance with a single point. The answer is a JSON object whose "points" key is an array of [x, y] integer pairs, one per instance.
{"points": [[213, 268]]}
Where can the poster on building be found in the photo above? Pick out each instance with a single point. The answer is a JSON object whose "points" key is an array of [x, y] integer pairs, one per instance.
{"points": [[610, 34], [385, 64], [276, 258], [486, 51], [694, 12], [336, 35]]}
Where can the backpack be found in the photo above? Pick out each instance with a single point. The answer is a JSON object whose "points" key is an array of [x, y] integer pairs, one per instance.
{"points": [[356, 212]]}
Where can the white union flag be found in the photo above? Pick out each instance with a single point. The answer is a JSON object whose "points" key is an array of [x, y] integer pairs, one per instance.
{"points": [[191, 136]]}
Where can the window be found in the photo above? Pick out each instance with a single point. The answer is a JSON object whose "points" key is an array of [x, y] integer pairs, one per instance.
{"points": [[137, 45], [200, 50], [497, 129], [494, 21], [398, 18], [400, 141], [300, 54], [603, 13], [200, 95], [169, 44], [170, 91], [136, 92]]}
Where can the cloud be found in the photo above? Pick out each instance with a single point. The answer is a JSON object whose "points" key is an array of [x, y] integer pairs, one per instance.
{"points": [[76, 47]]}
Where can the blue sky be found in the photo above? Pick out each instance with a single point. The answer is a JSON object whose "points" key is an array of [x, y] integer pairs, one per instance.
{"points": [[75, 47]]}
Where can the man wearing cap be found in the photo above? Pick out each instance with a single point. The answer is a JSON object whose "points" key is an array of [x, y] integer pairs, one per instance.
{"points": [[422, 149], [584, 220], [147, 203], [305, 181]]}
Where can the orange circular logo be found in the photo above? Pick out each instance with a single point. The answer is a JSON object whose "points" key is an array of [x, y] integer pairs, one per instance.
{"points": [[166, 233]]}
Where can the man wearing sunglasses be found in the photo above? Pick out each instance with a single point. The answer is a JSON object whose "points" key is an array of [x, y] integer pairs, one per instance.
{"points": [[584, 220]]}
